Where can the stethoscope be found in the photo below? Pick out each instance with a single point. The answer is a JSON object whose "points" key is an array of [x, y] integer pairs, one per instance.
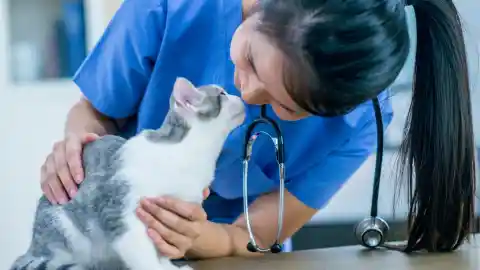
{"points": [[371, 232]]}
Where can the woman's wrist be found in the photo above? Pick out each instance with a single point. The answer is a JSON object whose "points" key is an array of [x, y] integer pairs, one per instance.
{"points": [[214, 242], [220, 240]]}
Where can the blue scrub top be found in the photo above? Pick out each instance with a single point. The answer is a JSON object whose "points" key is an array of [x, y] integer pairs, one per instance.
{"points": [[149, 43]]}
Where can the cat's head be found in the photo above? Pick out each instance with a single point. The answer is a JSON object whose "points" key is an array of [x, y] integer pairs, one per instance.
{"points": [[207, 107]]}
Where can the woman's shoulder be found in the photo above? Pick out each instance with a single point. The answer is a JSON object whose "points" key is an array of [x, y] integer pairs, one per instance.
{"points": [[179, 17], [206, 11], [196, 41], [196, 23]]}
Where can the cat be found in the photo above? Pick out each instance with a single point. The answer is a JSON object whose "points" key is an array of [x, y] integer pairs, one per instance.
{"points": [[98, 229]]}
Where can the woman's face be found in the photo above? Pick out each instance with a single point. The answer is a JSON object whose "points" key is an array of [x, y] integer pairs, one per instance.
{"points": [[259, 71]]}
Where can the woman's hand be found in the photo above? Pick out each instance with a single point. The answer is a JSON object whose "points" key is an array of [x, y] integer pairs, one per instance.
{"points": [[172, 224], [62, 170]]}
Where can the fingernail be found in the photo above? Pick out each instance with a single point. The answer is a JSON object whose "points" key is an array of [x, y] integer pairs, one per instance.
{"points": [[78, 178], [151, 233], [72, 193], [148, 203]]}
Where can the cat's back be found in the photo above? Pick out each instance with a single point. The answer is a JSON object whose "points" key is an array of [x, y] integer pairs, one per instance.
{"points": [[96, 210], [101, 155]]}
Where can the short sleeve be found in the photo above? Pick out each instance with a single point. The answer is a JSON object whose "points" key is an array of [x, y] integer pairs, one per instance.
{"points": [[318, 185], [116, 73]]}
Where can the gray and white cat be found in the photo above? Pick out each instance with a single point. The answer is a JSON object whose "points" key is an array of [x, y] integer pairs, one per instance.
{"points": [[98, 228]]}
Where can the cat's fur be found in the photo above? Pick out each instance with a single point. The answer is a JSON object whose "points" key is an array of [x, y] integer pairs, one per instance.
{"points": [[98, 228]]}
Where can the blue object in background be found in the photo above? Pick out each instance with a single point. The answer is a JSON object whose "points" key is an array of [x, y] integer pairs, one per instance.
{"points": [[73, 16], [61, 38], [288, 245]]}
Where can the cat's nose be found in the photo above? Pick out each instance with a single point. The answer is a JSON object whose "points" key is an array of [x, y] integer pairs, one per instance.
{"points": [[239, 105]]}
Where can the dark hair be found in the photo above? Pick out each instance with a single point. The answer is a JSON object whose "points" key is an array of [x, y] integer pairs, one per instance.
{"points": [[340, 54]]}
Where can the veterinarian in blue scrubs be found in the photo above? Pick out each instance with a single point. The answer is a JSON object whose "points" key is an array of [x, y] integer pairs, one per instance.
{"points": [[304, 58]]}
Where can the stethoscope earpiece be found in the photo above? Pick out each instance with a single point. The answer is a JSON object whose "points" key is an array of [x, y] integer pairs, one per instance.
{"points": [[372, 232]]}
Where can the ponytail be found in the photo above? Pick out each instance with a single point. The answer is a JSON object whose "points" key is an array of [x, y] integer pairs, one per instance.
{"points": [[438, 150]]}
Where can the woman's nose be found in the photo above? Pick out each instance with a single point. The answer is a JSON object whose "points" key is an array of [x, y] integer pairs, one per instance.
{"points": [[251, 94]]}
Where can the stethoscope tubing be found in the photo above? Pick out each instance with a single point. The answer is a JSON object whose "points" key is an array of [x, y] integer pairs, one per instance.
{"points": [[369, 224], [277, 139]]}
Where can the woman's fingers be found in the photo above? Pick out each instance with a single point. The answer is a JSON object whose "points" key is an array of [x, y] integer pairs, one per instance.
{"points": [[73, 154], [163, 247], [171, 220], [62, 169], [190, 211], [58, 192], [52, 181], [166, 239], [48, 192]]}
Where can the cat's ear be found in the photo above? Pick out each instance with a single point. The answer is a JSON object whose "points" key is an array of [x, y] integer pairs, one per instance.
{"points": [[186, 94]]}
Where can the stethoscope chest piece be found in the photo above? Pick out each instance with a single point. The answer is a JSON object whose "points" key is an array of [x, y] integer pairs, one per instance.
{"points": [[372, 232], [275, 248]]}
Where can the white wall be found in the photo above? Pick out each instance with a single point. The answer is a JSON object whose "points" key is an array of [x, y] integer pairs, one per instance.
{"points": [[31, 120], [32, 117]]}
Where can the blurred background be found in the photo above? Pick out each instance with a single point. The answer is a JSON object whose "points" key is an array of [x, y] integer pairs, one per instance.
{"points": [[43, 42]]}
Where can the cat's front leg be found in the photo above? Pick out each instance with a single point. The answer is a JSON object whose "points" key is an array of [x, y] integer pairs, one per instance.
{"points": [[137, 250]]}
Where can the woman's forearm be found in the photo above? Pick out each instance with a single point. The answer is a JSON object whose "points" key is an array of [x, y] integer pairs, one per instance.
{"points": [[220, 240], [83, 118]]}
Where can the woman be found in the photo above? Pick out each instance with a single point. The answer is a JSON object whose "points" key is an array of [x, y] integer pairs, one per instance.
{"points": [[316, 62]]}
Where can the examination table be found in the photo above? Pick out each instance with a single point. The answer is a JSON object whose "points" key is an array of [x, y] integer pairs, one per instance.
{"points": [[353, 258]]}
